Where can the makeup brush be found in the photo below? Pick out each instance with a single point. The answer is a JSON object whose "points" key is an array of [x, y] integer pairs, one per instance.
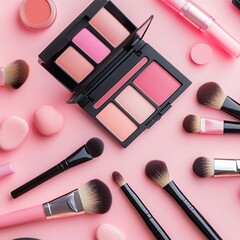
{"points": [[216, 167], [92, 149], [196, 124], [150, 221], [14, 74], [157, 171], [25, 238], [236, 3], [212, 95], [93, 197]]}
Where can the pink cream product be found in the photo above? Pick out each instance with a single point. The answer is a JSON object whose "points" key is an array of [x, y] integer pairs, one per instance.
{"points": [[116, 77]]}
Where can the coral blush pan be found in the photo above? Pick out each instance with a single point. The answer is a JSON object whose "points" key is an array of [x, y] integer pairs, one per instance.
{"points": [[38, 14]]}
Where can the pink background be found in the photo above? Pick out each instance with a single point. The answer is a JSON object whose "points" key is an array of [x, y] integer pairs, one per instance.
{"points": [[217, 199]]}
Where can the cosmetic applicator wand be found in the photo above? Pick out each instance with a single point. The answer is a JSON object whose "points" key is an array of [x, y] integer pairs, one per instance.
{"points": [[212, 95], [14, 74], [216, 167], [157, 171], [92, 149], [93, 197], [150, 221], [207, 126]]}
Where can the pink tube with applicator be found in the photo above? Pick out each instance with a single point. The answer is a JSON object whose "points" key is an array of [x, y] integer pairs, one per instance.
{"points": [[206, 23]]}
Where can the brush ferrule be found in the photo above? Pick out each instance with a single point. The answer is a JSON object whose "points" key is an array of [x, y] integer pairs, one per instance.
{"points": [[66, 205], [226, 167], [211, 126], [2, 78]]}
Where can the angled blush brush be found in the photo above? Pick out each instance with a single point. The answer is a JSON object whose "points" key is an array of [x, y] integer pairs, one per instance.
{"points": [[150, 221], [93, 197], [157, 171], [207, 126], [212, 95], [92, 149]]}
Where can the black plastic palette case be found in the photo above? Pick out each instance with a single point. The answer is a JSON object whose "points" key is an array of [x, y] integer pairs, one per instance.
{"points": [[115, 76]]}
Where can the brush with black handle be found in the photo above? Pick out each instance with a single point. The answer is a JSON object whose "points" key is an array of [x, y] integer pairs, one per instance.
{"points": [[150, 221], [157, 171], [92, 149], [212, 95]]}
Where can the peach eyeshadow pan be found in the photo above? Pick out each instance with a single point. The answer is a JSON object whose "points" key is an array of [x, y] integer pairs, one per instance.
{"points": [[109, 27], [73, 63], [116, 121], [135, 104]]}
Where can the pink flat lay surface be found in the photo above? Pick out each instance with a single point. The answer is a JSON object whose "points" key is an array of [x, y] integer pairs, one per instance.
{"points": [[217, 199]]}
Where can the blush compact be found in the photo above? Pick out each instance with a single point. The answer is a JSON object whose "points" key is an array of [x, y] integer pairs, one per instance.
{"points": [[123, 83]]}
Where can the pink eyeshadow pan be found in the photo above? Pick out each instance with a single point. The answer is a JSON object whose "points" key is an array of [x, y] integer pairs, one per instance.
{"points": [[109, 27], [157, 83], [135, 104], [74, 64], [116, 121], [91, 45]]}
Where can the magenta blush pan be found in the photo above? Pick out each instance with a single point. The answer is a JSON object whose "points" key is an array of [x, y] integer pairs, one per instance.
{"points": [[91, 45], [117, 78]]}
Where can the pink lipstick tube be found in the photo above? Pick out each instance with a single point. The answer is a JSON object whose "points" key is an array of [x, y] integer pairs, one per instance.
{"points": [[206, 23]]}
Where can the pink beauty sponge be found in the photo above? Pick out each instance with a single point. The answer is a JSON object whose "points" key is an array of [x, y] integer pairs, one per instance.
{"points": [[48, 120], [109, 232], [201, 54], [13, 131]]}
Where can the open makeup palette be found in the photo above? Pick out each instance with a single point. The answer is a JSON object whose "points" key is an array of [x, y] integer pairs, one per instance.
{"points": [[116, 77]]}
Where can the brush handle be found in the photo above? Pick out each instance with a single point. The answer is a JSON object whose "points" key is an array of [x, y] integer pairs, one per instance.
{"points": [[192, 212], [27, 215], [231, 107], [38, 180], [150, 221], [231, 127], [81, 155]]}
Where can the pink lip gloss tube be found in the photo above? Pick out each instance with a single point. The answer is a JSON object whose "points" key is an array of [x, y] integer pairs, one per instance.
{"points": [[206, 23]]}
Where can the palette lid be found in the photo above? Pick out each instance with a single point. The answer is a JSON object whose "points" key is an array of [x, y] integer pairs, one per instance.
{"points": [[82, 91]]}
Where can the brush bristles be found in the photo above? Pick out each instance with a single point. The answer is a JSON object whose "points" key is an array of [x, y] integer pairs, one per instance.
{"points": [[16, 73], [96, 197], [211, 94], [118, 178], [191, 124], [95, 147], [203, 167], [158, 172]]}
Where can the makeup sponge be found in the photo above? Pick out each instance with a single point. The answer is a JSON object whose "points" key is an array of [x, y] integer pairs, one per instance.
{"points": [[201, 54], [48, 120], [109, 232], [13, 131]]}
